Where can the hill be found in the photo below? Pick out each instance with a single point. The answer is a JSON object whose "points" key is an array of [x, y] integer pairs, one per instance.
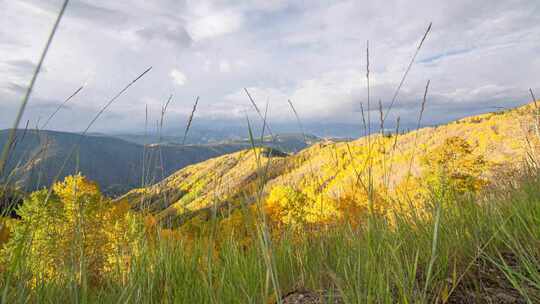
{"points": [[329, 173], [116, 165]]}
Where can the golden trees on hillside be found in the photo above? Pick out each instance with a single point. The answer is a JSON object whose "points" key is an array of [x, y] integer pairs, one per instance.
{"points": [[72, 232], [449, 169], [355, 205], [286, 205], [454, 164]]}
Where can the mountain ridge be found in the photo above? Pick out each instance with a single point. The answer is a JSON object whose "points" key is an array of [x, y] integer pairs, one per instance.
{"points": [[115, 164]]}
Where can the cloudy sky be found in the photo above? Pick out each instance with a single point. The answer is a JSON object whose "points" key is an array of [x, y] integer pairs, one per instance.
{"points": [[479, 55]]}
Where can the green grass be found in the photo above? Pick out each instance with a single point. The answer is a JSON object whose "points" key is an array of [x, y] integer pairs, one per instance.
{"points": [[463, 248]]}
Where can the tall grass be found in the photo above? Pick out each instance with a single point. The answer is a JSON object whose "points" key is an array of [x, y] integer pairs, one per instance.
{"points": [[449, 256]]}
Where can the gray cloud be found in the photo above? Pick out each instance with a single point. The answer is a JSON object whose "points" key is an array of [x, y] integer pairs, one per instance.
{"points": [[82, 10], [21, 66], [16, 88], [177, 36], [479, 55], [96, 13]]}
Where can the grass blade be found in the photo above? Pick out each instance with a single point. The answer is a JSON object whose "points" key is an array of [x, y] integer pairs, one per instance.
{"points": [[190, 119], [396, 93], [60, 106], [11, 136]]}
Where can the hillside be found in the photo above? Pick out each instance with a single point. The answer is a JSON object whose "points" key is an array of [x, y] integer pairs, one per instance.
{"points": [[329, 173], [114, 164]]}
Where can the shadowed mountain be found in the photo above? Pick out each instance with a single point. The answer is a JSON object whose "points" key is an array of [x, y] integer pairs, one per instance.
{"points": [[115, 164]]}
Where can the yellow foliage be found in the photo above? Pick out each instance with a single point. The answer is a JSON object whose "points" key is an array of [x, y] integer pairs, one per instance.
{"points": [[73, 231], [4, 231], [354, 205], [238, 226], [454, 164], [286, 205], [410, 194], [320, 184]]}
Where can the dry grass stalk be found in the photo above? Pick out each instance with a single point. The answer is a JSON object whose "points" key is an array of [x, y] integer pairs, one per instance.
{"points": [[11, 136], [108, 104], [190, 120], [60, 106], [396, 93], [90, 124], [418, 124], [537, 114], [363, 118], [258, 112]]}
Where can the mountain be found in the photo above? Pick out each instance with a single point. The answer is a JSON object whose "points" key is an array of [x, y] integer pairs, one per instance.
{"points": [[473, 150], [287, 142], [115, 164], [205, 132]]}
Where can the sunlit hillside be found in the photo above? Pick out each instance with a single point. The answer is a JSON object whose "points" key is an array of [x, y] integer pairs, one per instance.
{"points": [[329, 174]]}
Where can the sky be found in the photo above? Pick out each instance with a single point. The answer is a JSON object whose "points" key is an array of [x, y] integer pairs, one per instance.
{"points": [[479, 55]]}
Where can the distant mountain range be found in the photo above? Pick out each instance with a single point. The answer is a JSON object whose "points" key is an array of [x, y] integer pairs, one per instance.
{"points": [[205, 132], [114, 163]]}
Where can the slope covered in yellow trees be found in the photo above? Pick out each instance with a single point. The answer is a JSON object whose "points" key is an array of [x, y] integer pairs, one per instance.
{"points": [[333, 181]]}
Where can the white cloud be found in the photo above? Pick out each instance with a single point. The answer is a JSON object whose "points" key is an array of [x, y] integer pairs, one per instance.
{"points": [[214, 24], [206, 65], [224, 66], [313, 53], [178, 77]]}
